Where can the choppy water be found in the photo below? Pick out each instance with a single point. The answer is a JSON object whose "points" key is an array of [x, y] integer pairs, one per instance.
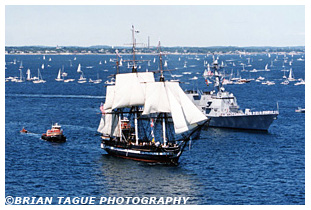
{"points": [[223, 167]]}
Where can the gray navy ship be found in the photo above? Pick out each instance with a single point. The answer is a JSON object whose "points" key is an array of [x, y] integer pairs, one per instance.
{"points": [[222, 108]]}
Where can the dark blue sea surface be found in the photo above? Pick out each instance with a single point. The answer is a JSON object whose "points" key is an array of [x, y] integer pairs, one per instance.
{"points": [[223, 167]]}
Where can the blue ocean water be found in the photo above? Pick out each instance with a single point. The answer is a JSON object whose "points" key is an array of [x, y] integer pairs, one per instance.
{"points": [[223, 167]]}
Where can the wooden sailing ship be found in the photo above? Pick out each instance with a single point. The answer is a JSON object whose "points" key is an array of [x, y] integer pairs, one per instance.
{"points": [[147, 120]]}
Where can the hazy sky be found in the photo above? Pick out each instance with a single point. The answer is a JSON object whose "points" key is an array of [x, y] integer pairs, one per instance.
{"points": [[172, 25]]}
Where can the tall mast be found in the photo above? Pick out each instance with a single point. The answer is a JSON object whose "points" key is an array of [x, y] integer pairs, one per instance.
{"points": [[164, 129], [134, 69], [117, 61], [161, 70], [162, 80]]}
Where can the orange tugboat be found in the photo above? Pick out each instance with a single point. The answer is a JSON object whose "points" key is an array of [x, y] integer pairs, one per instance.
{"points": [[55, 134]]}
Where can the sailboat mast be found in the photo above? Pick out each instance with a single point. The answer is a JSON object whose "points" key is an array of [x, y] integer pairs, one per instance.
{"points": [[120, 126], [134, 45], [161, 70], [117, 61], [164, 129], [136, 127]]}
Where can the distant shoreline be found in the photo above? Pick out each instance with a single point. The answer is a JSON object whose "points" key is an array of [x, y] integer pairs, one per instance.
{"points": [[166, 53]]}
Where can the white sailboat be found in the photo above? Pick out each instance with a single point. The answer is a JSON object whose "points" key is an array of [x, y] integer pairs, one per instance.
{"points": [[79, 68], [39, 79], [59, 77], [20, 76], [42, 66], [165, 63], [82, 79], [301, 82], [21, 65], [291, 75], [64, 74], [285, 82], [266, 68], [29, 78]]}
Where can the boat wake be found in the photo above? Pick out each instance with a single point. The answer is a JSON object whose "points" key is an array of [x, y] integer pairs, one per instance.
{"points": [[53, 96]]}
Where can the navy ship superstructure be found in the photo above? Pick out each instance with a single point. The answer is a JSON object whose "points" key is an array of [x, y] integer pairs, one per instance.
{"points": [[224, 112]]}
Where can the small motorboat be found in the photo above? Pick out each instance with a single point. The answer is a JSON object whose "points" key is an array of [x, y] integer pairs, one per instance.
{"points": [[55, 134], [300, 110], [23, 130]]}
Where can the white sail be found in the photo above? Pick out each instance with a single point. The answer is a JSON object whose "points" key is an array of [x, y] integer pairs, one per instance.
{"points": [[205, 74], [165, 64], [109, 124], [169, 97], [109, 97], [42, 66], [184, 113], [28, 74], [129, 90], [79, 68], [266, 67], [156, 99], [59, 74]]}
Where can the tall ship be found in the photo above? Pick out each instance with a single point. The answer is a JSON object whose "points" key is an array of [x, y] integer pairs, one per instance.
{"points": [[147, 120], [223, 110]]}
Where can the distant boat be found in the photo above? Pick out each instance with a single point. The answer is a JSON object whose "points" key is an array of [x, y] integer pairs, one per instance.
{"points": [[29, 75], [50, 59], [97, 81], [285, 82], [82, 79], [21, 79], [266, 68], [291, 75], [39, 79], [59, 76], [69, 80], [74, 58], [100, 62], [301, 82], [300, 110], [42, 66], [165, 64], [111, 82], [43, 57], [194, 78], [79, 68], [21, 65]]}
